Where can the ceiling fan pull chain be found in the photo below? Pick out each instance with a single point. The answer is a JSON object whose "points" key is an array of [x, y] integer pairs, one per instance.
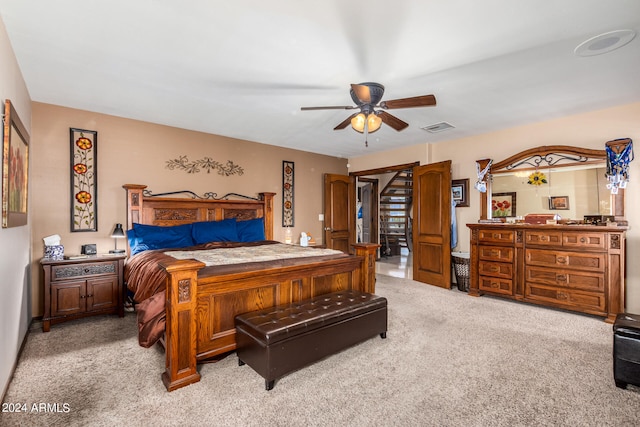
{"points": [[366, 133]]}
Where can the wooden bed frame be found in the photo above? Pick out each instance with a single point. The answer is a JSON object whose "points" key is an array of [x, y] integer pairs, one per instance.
{"points": [[201, 307]]}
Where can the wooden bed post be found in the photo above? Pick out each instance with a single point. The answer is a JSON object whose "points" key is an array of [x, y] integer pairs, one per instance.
{"points": [[268, 214], [181, 325], [368, 271], [134, 203]]}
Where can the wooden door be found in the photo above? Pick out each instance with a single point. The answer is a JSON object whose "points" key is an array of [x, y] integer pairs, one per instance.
{"points": [[432, 224], [339, 212]]}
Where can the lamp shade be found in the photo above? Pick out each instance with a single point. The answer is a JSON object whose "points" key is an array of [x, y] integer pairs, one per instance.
{"points": [[373, 122], [118, 232], [357, 123]]}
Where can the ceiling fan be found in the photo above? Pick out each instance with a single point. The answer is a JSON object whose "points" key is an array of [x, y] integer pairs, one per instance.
{"points": [[367, 97]]}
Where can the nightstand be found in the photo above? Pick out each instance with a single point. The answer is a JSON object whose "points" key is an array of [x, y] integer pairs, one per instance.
{"points": [[76, 288]]}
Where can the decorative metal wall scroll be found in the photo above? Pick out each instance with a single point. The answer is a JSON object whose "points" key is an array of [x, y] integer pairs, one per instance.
{"points": [[84, 180], [287, 193], [207, 164]]}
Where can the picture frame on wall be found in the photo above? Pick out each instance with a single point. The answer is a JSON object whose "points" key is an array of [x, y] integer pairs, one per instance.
{"points": [[15, 169], [84, 179], [287, 193], [503, 205], [460, 192], [559, 203]]}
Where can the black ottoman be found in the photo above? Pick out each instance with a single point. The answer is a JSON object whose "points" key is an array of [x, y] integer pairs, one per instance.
{"points": [[626, 350]]}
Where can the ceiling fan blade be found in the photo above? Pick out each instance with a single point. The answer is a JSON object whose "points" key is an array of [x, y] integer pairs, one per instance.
{"points": [[416, 101], [392, 121], [346, 122], [363, 93], [337, 107]]}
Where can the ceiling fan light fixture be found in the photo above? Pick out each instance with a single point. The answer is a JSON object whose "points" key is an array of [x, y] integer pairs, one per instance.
{"points": [[372, 121]]}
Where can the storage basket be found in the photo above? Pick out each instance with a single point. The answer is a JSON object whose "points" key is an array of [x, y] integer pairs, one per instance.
{"points": [[461, 268]]}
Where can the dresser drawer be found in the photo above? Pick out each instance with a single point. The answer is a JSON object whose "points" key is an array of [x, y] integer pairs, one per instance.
{"points": [[543, 238], [495, 269], [584, 240], [593, 302], [575, 260], [63, 272], [565, 278], [496, 285], [496, 236], [495, 253]]}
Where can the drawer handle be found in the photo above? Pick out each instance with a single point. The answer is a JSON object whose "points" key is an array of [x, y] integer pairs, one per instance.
{"points": [[583, 240], [561, 278], [562, 295], [543, 238], [83, 296], [495, 253], [494, 269], [495, 285], [561, 260], [86, 270], [496, 236]]}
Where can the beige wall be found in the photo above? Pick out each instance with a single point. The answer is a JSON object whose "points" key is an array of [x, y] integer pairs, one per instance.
{"points": [[590, 130], [134, 152], [15, 305]]}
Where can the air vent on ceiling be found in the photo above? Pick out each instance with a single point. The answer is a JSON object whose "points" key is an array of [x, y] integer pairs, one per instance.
{"points": [[438, 127]]}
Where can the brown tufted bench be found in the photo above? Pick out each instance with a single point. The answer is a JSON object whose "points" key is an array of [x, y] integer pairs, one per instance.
{"points": [[281, 339]]}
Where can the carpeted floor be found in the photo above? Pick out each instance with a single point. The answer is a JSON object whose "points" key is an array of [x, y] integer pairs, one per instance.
{"points": [[449, 359]]}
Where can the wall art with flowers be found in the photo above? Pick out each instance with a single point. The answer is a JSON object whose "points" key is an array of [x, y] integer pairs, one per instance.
{"points": [[287, 193], [15, 169], [84, 180], [503, 205]]}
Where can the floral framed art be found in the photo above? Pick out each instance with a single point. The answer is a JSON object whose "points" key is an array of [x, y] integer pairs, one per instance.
{"points": [[84, 180], [15, 169], [287, 193], [503, 205]]}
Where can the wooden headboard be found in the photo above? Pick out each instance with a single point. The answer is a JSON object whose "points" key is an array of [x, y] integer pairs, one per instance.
{"points": [[145, 208]]}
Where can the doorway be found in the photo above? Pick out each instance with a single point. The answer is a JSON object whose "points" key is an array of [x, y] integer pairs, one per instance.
{"points": [[387, 215]]}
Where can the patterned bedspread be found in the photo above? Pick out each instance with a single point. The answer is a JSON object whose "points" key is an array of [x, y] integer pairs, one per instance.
{"points": [[226, 256]]}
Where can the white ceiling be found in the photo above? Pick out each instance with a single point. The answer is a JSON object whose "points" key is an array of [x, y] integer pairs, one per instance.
{"points": [[243, 68]]}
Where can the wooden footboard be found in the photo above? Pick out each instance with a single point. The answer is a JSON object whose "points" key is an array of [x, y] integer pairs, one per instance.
{"points": [[201, 310]]}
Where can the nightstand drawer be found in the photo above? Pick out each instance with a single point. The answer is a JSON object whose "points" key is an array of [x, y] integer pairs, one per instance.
{"points": [[63, 272]]}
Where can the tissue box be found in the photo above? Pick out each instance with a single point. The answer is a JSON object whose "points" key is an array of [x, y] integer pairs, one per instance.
{"points": [[54, 252]]}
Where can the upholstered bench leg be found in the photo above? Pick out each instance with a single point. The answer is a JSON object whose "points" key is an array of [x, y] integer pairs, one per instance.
{"points": [[240, 362], [268, 385], [383, 335], [621, 384]]}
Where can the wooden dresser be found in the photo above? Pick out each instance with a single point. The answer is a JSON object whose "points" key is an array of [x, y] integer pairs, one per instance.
{"points": [[573, 267]]}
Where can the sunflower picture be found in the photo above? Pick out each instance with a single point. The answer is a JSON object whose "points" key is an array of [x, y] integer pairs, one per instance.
{"points": [[537, 178]]}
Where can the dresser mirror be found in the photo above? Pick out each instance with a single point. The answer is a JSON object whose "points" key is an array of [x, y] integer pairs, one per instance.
{"points": [[561, 180]]}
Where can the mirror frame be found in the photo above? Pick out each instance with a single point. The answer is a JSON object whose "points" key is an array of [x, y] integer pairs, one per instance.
{"points": [[544, 153]]}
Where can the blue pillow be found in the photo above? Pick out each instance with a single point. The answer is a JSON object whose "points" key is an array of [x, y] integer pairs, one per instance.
{"points": [[215, 231], [251, 230], [145, 237], [136, 245]]}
